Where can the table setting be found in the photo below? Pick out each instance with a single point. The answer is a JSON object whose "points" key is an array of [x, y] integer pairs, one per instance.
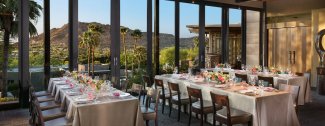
{"points": [[252, 96], [86, 101]]}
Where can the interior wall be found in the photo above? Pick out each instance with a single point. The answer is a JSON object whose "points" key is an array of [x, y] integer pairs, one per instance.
{"points": [[252, 37], [318, 23]]}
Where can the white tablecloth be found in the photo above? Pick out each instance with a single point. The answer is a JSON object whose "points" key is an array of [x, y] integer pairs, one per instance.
{"points": [[111, 110], [270, 109]]}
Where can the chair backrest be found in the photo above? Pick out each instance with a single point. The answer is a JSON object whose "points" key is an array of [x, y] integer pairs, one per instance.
{"points": [[299, 74], [194, 93], [137, 87], [123, 85], [174, 87], [292, 89], [160, 84], [146, 80], [267, 79], [242, 76], [37, 113], [220, 101], [152, 95]]}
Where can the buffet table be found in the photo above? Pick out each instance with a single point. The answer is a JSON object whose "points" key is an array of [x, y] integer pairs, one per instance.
{"points": [[267, 108], [106, 110]]}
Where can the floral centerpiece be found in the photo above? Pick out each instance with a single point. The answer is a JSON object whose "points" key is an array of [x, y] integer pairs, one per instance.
{"points": [[274, 70], [216, 76], [255, 69], [220, 65]]}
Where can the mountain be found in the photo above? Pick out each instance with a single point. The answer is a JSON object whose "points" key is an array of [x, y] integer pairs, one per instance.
{"points": [[59, 36]]}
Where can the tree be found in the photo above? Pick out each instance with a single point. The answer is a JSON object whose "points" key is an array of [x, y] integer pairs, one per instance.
{"points": [[9, 23], [90, 39], [136, 34], [123, 33]]}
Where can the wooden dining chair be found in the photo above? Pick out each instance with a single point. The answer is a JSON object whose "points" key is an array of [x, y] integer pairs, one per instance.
{"points": [[147, 112], [177, 99], [228, 115], [45, 105], [293, 90], [243, 77], [48, 117], [269, 81], [198, 105], [147, 82], [165, 94]]}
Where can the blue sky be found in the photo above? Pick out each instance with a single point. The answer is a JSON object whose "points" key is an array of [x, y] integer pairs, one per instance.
{"points": [[134, 14]]}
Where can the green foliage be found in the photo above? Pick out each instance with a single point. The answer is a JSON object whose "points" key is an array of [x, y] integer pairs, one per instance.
{"points": [[167, 56], [137, 77]]}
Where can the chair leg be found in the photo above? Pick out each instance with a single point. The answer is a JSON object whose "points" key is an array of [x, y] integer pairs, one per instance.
{"points": [[147, 122], [249, 123], [163, 105], [190, 114], [144, 97], [201, 124], [156, 122], [170, 109], [179, 112], [185, 109], [196, 115], [205, 117]]}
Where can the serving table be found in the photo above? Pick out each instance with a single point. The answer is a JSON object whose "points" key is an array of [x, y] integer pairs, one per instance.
{"points": [[267, 108], [107, 110]]}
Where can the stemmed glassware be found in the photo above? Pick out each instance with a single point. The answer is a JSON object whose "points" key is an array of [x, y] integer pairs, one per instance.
{"points": [[261, 86], [243, 67]]}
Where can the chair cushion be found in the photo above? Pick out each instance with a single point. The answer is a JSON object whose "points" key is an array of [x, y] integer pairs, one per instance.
{"points": [[148, 113], [207, 106], [58, 122], [184, 100], [49, 105], [45, 98], [53, 114], [237, 116], [41, 93], [167, 94]]}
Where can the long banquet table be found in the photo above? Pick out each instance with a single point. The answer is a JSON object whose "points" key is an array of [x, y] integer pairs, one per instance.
{"points": [[301, 81], [269, 109], [109, 111]]}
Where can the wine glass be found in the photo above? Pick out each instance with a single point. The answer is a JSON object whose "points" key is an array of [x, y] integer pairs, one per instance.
{"points": [[243, 66]]}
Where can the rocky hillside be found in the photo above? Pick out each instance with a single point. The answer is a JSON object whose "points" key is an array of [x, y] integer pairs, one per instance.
{"points": [[59, 36]]}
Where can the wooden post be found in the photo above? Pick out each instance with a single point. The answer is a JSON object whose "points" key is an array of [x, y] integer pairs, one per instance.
{"points": [[149, 37], [47, 43], [115, 42], [73, 35], [201, 34], [23, 45]]}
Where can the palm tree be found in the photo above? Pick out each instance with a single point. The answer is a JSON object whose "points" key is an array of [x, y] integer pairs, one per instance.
{"points": [[124, 30], [85, 38], [91, 39], [9, 23], [136, 34]]}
